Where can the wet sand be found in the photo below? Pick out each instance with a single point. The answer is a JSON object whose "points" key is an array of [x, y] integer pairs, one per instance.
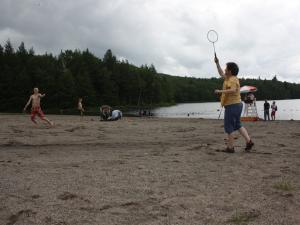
{"points": [[142, 171]]}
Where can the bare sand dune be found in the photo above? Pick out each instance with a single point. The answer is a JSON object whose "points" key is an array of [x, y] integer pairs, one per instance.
{"points": [[146, 171]]}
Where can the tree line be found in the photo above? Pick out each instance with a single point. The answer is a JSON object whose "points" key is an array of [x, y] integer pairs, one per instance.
{"points": [[74, 73]]}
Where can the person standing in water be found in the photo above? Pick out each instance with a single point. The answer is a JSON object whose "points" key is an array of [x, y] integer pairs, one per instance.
{"points": [[231, 101], [35, 100]]}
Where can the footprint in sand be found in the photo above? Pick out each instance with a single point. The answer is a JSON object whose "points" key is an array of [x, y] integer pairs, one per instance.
{"points": [[23, 213], [89, 209], [198, 147], [95, 210], [127, 204], [35, 196], [67, 196], [281, 145], [17, 131], [74, 165], [295, 134], [75, 128], [210, 153], [13, 143]]}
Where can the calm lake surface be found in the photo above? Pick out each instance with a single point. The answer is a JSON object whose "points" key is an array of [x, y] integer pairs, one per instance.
{"points": [[287, 110]]}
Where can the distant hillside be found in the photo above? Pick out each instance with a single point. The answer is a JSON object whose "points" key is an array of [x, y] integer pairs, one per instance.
{"points": [[189, 89]]}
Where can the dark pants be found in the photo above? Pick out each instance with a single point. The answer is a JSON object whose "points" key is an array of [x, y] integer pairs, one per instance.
{"points": [[266, 114]]}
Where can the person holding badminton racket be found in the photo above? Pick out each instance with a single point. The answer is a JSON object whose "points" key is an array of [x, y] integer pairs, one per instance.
{"points": [[231, 101]]}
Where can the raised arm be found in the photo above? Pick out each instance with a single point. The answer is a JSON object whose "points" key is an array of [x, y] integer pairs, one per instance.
{"points": [[27, 104], [220, 71]]}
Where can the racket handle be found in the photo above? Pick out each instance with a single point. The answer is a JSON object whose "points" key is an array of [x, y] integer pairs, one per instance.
{"points": [[216, 58], [214, 49]]}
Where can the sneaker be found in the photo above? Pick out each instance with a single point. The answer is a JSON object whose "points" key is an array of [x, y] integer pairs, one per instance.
{"points": [[249, 145]]}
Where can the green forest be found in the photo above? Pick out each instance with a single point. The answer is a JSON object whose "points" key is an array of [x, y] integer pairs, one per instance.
{"points": [[75, 73]]}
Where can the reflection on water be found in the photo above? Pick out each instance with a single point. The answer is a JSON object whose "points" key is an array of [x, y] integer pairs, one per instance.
{"points": [[287, 110]]}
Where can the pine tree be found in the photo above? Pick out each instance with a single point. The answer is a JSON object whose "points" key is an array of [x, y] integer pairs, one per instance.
{"points": [[22, 50], [109, 59], [8, 48]]}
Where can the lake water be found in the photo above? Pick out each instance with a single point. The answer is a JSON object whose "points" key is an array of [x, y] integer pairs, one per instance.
{"points": [[287, 110]]}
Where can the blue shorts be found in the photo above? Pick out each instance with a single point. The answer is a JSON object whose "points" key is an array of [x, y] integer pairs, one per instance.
{"points": [[232, 118]]}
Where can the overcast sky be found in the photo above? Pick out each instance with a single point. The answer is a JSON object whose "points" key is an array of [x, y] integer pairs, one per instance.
{"points": [[261, 36]]}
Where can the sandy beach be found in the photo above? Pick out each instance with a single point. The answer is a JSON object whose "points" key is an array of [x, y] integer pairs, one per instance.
{"points": [[146, 171]]}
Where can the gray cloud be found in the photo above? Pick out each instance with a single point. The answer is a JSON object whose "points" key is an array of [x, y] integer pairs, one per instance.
{"points": [[261, 36]]}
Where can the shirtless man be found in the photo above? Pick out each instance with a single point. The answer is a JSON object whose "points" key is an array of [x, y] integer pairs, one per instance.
{"points": [[35, 100]]}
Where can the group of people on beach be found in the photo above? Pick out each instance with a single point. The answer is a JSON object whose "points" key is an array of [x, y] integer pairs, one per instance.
{"points": [[230, 100], [106, 113], [251, 100], [267, 110], [36, 110]]}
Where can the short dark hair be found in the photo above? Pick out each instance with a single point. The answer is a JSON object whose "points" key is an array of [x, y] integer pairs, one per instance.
{"points": [[233, 67]]}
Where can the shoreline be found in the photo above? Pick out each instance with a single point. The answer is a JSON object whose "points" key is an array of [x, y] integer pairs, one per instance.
{"points": [[145, 117]]}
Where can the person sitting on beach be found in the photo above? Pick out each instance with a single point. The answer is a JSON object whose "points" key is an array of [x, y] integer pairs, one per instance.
{"points": [[274, 109], [80, 107], [105, 112], [231, 100], [115, 115], [35, 100]]}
